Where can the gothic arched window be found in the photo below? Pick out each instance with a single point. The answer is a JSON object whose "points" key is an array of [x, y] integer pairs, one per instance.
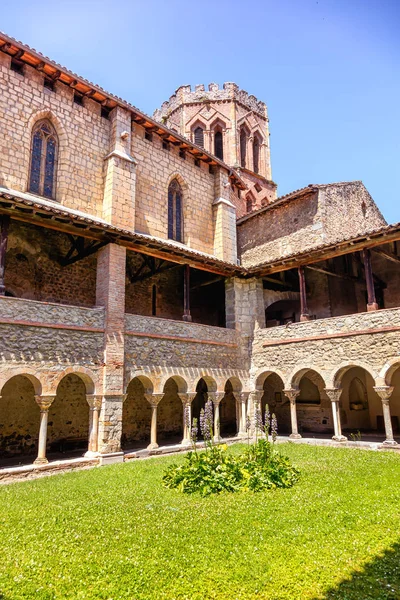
{"points": [[44, 150], [175, 211], [218, 145], [256, 154], [243, 147], [199, 136]]}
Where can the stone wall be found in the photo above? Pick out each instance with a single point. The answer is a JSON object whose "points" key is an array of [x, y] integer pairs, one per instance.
{"points": [[83, 136], [369, 340], [326, 214]]}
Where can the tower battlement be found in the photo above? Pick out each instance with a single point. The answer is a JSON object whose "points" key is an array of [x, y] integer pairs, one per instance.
{"points": [[185, 94]]}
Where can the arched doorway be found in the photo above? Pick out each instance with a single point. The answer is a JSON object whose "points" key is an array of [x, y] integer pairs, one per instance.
{"points": [[19, 418], [170, 413], [68, 420], [278, 404], [314, 408], [361, 407], [136, 414], [229, 409], [282, 312]]}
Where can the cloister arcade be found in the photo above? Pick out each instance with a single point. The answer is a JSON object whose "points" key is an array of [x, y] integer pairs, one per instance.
{"points": [[351, 400]]}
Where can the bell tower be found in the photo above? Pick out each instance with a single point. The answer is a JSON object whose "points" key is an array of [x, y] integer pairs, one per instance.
{"points": [[231, 124]]}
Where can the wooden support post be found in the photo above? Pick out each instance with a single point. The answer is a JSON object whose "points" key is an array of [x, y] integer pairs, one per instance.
{"points": [[186, 294], [4, 226], [369, 279], [304, 314]]}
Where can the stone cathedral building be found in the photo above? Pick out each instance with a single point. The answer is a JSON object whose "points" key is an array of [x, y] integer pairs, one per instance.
{"points": [[147, 263]]}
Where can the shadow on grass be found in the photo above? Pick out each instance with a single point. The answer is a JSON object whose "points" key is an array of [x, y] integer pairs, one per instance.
{"points": [[378, 580]]}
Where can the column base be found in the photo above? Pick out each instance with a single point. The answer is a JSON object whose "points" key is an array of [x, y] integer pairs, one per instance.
{"points": [[241, 435], [295, 436], [91, 454], [217, 439], [40, 461], [111, 458], [305, 317], [152, 446], [389, 443], [371, 307], [187, 318], [339, 438], [186, 443]]}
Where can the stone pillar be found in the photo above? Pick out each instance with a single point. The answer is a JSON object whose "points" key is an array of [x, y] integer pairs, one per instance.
{"points": [[245, 312], [95, 406], [216, 398], [369, 280], [243, 397], [292, 395], [384, 392], [304, 313], [224, 215], [187, 400], [44, 403], [154, 400], [254, 400], [110, 293], [334, 396], [120, 180]]}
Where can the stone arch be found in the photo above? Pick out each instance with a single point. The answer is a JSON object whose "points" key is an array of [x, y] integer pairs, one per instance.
{"points": [[19, 415], [136, 412], [205, 384], [181, 383], [314, 408], [337, 376], [272, 296], [283, 311], [229, 410], [386, 373], [62, 139], [198, 123], [68, 421], [263, 374], [86, 375], [296, 377], [360, 406], [218, 122], [29, 374], [271, 386]]}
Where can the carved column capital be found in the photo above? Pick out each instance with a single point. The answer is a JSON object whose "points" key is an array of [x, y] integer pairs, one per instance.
{"points": [[243, 397], [154, 399], [384, 392], [94, 401], [216, 397], [333, 394], [44, 402], [187, 397], [291, 394], [256, 396]]}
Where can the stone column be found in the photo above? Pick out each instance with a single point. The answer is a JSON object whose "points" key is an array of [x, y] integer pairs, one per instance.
{"points": [[384, 392], [292, 395], [334, 396], [44, 403], [216, 398], [187, 400], [154, 400], [95, 406], [254, 401], [242, 422]]}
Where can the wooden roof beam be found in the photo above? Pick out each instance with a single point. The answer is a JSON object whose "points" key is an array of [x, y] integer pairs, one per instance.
{"points": [[387, 254]]}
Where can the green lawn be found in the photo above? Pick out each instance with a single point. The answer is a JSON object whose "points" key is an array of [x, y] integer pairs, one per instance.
{"points": [[115, 532]]}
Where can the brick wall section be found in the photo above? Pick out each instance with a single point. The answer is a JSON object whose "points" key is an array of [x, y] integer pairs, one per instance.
{"points": [[225, 245], [83, 137], [155, 169]]}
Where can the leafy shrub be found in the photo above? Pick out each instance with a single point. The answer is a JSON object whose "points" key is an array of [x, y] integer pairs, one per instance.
{"points": [[260, 466]]}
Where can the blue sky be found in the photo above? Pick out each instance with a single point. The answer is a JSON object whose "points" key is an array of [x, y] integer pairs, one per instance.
{"points": [[328, 71]]}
